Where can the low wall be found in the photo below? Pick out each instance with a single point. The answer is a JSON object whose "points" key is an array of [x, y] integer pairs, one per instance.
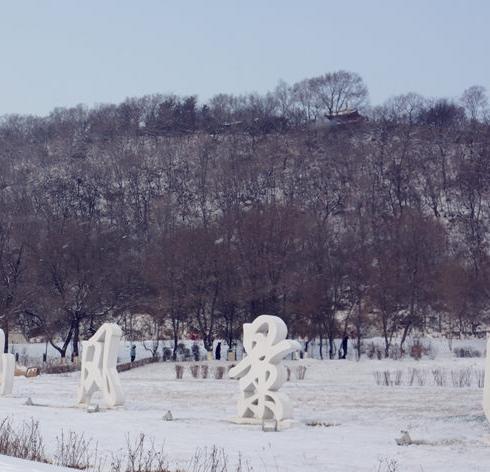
{"points": [[73, 367]]}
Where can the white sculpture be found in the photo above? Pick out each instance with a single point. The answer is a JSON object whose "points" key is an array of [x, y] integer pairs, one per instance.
{"points": [[261, 373], [7, 369], [486, 389], [98, 370]]}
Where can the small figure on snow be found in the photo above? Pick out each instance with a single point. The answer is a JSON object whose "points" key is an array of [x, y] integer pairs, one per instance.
{"points": [[217, 353], [343, 347], [133, 352]]}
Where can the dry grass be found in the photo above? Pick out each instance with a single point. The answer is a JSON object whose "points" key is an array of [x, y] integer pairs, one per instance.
{"points": [[215, 460], [74, 451], [141, 455], [24, 441], [300, 372], [460, 378]]}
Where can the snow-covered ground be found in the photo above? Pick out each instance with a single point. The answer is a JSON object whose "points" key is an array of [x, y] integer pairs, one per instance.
{"points": [[361, 418], [9, 464]]}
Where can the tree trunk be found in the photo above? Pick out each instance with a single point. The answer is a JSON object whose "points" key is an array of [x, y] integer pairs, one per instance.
{"points": [[386, 338], [359, 328], [64, 347], [406, 330], [230, 323], [175, 329], [76, 338]]}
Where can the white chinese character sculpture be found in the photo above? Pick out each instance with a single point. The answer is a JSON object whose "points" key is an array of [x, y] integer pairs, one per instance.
{"points": [[7, 368], [486, 389], [261, 373], [98, 371]]}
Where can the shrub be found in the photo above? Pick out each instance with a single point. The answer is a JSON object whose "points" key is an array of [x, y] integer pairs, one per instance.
{"points": [[480, 377], [416, 351], [194, 371], [219, 372], [461, 378], [467, 351], [179, 371], [418, 348], [166, 354], [180, 350], [388, 378], [300, 372], [57, 368], [395, 352], [183, 352], [417, 377], [204, 371], [440, 377], [196, 352], [397, 377], [373, 351]]}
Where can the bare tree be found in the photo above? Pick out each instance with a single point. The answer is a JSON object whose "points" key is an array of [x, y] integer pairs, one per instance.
{"points": [[339, 91], [475, 102]]}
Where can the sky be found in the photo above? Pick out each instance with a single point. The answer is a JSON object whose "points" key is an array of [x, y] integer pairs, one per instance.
{"points": [[65, 52]]}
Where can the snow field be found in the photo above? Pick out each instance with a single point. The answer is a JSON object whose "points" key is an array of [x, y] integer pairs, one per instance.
{"points": [[360, 419]]}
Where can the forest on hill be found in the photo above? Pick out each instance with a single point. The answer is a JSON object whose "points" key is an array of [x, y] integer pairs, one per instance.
{"points": [[304, 202]]}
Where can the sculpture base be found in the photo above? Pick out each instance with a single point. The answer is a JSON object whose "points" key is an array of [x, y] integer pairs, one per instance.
{"points": [[281, 425]]}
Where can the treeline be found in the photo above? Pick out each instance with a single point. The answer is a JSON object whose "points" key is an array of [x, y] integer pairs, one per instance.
{"points": [[202, 217]]}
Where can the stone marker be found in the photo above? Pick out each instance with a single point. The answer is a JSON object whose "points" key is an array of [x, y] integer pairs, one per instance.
{"points": [[93, 408]]}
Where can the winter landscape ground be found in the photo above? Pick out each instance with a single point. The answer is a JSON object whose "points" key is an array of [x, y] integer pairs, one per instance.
{"points": [[345, 420]]}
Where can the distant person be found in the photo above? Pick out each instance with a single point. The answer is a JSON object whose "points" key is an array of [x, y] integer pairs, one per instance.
{"points": [[217, 354], [133, 352], [343, 347]]}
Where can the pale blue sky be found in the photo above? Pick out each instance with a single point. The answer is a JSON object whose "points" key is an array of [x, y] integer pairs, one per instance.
{"points": [[65, 52]]}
